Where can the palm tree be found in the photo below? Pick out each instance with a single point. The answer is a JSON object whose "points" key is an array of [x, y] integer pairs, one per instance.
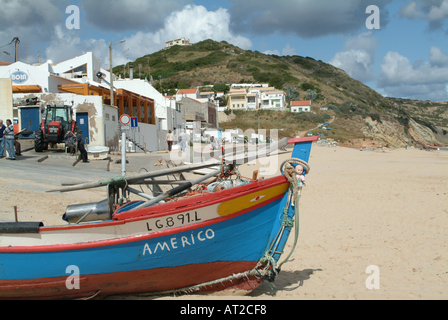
{"points": [[291, 94]]}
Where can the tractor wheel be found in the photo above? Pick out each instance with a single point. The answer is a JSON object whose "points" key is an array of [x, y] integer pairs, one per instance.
{"points": [[39, 141]]}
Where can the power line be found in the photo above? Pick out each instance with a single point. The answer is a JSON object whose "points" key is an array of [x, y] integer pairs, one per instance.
{"points": [[6, 45]]}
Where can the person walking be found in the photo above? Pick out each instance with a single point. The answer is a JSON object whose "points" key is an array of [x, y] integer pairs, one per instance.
{"points": [[183, 140], [2, 138], [169, 139], [9, 139]]}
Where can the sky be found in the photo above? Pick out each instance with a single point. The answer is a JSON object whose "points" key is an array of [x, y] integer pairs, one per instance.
{"points": [[399, 48]]}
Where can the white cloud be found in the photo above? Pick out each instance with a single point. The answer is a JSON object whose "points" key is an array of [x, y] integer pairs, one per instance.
{"points": [[67, 44], [272, 52], [288, 51], [435, 12], [357, 57], [32, 22], [411, 11], [357, 63], [193, 22], [420, 80], [437, 58]]}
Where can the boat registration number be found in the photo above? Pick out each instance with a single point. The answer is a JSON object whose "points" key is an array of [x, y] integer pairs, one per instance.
{"points": [[173, 221]]}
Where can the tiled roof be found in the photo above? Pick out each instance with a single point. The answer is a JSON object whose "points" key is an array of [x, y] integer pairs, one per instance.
{"points": [[187, 91], [300, 103]]}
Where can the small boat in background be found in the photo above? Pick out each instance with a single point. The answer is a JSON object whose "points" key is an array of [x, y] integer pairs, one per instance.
{"points": [[227, 239]]}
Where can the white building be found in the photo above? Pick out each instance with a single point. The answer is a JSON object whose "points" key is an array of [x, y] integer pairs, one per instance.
{"points": [[270, 98], [76, 80], [180, 42], [301, 106], [167, 111], [188, 93]]}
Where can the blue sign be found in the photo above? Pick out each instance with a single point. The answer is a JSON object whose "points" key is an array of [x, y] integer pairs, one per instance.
{"points": [[19, 77], [134, 122]]}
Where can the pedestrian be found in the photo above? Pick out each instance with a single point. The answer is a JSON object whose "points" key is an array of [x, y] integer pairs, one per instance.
{"points": [[9, 139], [169, 139], [2, 138], [69, 139], [213, 143], [183, 141], [81, 147], [17, 146]]}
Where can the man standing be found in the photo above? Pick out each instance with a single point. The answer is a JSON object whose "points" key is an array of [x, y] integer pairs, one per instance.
{"points": [[81, 148], [2, 138], [9, 138]]}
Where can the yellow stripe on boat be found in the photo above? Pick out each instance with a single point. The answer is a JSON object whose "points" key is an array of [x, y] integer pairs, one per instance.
{"points": [[241, 203]]}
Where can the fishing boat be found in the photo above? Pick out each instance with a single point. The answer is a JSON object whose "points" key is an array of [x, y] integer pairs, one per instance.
{"points": [[228, 239]]}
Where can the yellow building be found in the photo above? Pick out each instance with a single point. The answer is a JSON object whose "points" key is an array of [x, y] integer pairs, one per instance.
{"points": [[237, 99]]}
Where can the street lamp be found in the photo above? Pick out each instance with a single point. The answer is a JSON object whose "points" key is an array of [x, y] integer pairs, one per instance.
{"points": [[112, 101]]}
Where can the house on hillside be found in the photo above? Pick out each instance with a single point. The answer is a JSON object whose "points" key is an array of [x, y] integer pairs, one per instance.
{"points": [[180, 42], [188, 93], [270, 98], [237, 99], [301, 106]]}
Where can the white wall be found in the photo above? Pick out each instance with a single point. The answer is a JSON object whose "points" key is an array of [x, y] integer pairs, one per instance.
{"points": [[150, 132], [39, 75], [6, 111], [93, 65], [297, 109]]}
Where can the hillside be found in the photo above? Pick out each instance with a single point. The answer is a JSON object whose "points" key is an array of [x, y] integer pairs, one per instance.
{"points": [[359, 111]]}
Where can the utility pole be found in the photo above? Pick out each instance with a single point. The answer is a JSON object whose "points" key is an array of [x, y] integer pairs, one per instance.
{"points": [[17, 41], [111, 76]]}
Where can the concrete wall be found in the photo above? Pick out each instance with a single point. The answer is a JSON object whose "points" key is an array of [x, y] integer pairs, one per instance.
{"points": [[6, 111], [151, 136]]}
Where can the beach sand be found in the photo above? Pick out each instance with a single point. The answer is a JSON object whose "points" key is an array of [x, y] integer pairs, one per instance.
{"points": [[359, 208], [362, 208]]}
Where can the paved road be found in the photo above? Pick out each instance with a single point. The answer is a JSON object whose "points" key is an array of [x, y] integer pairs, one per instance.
{"points": [[58, 167]]}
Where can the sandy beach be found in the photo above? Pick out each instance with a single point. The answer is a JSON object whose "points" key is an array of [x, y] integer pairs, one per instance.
{"points": [[359, 208], [362, 208]]}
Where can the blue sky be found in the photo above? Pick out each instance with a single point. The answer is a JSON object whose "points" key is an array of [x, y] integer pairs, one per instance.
{"points": [[406, 57]]}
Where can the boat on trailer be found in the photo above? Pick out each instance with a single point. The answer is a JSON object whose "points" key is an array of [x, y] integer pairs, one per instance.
{"points": [[229, 239]]}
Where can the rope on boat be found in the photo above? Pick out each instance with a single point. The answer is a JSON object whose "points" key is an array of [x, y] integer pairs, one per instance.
{"points": [[296, 190]]}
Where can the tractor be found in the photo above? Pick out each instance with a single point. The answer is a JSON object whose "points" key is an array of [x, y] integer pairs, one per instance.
{"points": [[57, 122]]}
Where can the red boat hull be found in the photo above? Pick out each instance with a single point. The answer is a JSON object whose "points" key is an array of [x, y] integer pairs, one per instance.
{"points": [[154, 281]]}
